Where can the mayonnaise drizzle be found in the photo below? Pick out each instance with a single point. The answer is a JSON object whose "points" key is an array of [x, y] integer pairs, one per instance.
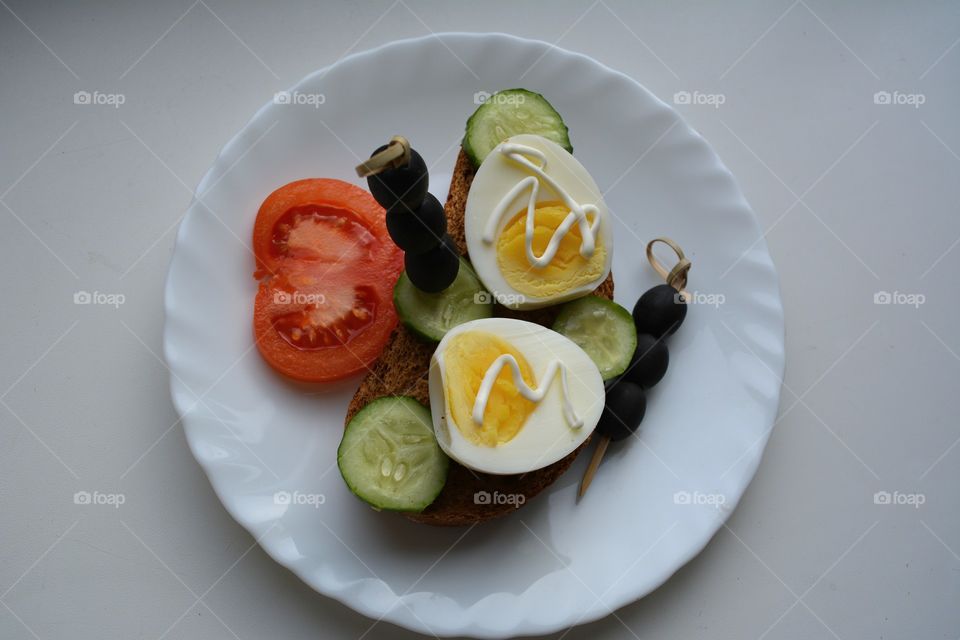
{"points": [[530, 393], [578, 212]]}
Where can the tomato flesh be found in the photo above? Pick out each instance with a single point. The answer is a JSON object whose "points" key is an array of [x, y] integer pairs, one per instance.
{"points": [[326, 265], [317, 325], [321, 233]]}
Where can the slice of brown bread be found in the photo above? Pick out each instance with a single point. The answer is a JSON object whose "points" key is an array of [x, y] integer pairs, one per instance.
{"points": [[403, 367]]}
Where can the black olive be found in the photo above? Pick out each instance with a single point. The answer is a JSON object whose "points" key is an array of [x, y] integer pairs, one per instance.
{"points": [[660, 311], [420, 229], [649, 361], [623, 410], [407, 184], [435, 269]]}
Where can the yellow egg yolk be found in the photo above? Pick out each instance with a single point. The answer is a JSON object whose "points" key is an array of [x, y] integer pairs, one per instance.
{"points": [[568, 269], [466, 360]]}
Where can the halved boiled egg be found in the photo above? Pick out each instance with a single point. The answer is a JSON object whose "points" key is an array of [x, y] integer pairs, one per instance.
{"points": [[537, 228], [510, 396]]}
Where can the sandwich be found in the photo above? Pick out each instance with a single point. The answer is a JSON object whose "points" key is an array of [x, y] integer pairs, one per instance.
{"points": [[530, 241]]}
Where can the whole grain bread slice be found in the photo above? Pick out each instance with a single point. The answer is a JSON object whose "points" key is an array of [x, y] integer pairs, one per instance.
{"points": [[403, 368]]}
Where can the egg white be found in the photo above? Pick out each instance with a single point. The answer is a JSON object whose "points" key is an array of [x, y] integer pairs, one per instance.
{"points": [[496, 176], [545, 436]]}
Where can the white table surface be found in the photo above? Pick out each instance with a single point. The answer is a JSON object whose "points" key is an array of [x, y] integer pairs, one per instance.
{"points": [[856, 198]]}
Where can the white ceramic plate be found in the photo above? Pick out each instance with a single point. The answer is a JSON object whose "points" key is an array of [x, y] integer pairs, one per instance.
{"points": [[656, 501]]}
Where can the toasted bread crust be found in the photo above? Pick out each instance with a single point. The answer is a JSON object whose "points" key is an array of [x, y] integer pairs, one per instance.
{"points": [[403, 369]]}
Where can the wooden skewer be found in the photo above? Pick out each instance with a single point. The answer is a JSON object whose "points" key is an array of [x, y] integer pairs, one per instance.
{"points": [[593, 466], [676, 278], [397, 154]]}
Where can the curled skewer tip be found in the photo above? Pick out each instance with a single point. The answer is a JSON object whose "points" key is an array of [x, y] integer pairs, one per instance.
{"points": [[677, 276], [396, 154]]}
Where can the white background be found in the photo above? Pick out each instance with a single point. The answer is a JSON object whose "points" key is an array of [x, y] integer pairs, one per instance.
{"points": [[856, 198]]}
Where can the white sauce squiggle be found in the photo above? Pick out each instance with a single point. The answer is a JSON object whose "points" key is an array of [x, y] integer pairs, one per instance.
{"points": [[578, 212], [530, 393]]}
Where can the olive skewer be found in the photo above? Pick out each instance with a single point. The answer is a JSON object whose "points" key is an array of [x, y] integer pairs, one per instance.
{"points": [[657, 314], [398, 179]]}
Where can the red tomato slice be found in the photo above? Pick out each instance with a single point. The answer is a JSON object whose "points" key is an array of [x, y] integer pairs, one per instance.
{"points": [[327, 268]]}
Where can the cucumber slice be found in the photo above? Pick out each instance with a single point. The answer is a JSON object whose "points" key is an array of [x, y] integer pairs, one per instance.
{"points": [[508, 113], [431, 315], [390, 458], [603, 329]]}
